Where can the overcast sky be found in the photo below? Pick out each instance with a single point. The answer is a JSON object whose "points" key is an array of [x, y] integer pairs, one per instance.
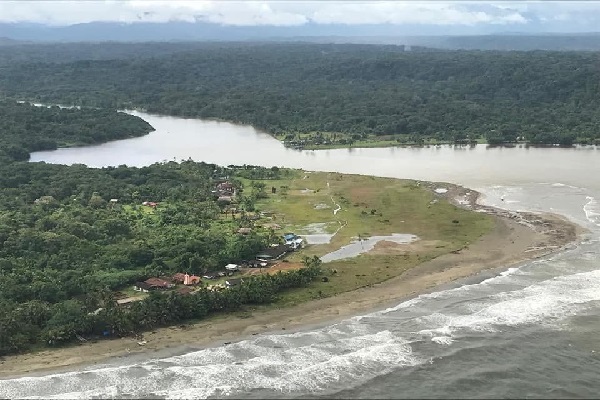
{"points": [[509, 14]]}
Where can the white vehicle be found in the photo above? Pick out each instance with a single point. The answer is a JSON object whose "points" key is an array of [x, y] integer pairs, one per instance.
{"points": [[232, 267]]}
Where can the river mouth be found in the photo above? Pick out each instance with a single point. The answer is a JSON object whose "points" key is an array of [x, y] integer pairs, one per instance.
{"points": [[525, 331]]}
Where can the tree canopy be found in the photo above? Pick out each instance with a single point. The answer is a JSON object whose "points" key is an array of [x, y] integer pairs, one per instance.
{"points": [[25, 128], [542, 96]]}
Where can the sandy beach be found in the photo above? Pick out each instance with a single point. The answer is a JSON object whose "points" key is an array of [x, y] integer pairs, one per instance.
{"points": [[515, 238]]}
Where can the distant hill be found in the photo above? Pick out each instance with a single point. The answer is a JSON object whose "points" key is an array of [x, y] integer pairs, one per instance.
{"points": [[574, 42], [472, 38], [4, 41]]}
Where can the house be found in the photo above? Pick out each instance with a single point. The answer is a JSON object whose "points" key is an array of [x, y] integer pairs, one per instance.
{"points": [[273, 253], [244, 231], [150, 204], [225, 189], [151, 284], [233, 282], [158, 283], [179, 277], [186, 279], [191, 280]]}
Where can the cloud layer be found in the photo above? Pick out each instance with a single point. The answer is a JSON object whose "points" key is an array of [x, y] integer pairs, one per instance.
{"points": [[294, 13]]}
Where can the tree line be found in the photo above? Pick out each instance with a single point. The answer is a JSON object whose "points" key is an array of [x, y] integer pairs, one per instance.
{"points": [[25, 128], [98, 315], [353, 90]]}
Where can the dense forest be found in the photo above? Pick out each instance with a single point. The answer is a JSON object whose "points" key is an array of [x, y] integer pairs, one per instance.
{"points": [[72, 237], [25, 128], [65, 249], [355, 91]]}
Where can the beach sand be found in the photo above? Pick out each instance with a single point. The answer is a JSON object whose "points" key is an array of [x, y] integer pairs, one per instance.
{"points": [[516, 237]]}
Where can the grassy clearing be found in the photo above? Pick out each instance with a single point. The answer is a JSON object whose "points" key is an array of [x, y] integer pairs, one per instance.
{"points": [[369, 206]]}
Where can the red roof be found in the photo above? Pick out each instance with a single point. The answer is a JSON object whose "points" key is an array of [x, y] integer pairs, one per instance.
{"points": [[157, 282], [192, 280]]}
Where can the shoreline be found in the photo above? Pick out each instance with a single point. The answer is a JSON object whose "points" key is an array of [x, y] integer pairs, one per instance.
{"points": [[517, 237]]}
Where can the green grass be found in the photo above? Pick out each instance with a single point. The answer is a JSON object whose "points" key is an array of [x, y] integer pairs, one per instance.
{"points": [[129, 292], [370, 206]]}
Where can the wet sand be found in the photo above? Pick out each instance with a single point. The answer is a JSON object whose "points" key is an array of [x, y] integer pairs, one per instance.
{"points": [[516, 237]]}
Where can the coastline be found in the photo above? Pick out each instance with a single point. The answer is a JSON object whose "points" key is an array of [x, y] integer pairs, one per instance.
{"points": [[515, 238]]}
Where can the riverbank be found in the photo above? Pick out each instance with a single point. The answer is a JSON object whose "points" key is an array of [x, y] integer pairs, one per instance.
{"points": [[515, 238]]}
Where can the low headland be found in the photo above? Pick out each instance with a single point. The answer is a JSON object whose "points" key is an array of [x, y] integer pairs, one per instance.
{"points": [[457, 238]]}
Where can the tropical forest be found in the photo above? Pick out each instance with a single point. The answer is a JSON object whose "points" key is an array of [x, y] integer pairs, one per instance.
{"points": [[326, 94], [72, 237]]}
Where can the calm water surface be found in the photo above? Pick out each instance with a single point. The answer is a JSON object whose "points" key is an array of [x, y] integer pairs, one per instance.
{"points": [[530, 331]]}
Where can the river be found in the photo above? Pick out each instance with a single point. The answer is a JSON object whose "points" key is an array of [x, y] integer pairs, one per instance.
{"points": [[530, 331]]}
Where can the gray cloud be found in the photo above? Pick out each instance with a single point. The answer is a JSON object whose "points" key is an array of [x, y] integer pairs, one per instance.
{"points": [[293, 13]]}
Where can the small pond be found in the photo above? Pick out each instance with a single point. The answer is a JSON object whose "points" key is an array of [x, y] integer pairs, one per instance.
{"points": [[364, 245]]}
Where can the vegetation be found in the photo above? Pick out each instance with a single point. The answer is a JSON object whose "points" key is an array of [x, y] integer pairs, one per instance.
{"points": [[369, 206], [72, 238], [333, 95], [65, 250], [25, 128]]}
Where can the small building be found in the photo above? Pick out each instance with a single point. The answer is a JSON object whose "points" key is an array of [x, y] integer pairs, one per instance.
{"points": [[152, 284], [189, 280], [186, 279], [244, 231], [158, 283], [233, 282], [179, 277], [273, 253], [225, 189], [150, 204]]}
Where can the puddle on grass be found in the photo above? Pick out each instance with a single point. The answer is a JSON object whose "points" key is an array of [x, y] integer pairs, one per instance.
{"points": [[316, 233], [362, 246], [319, 238]]}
